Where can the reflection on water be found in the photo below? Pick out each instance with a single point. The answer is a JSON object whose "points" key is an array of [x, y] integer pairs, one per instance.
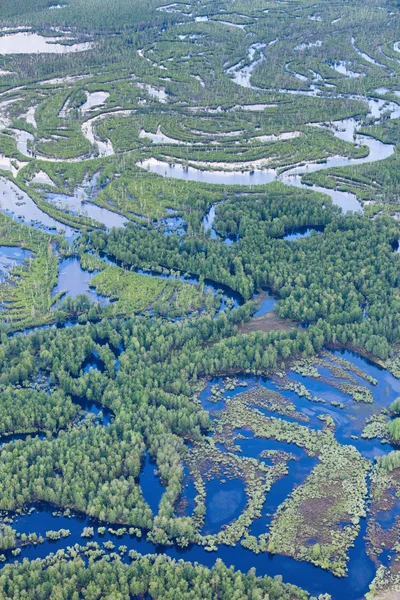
{"points": [[33, 43], [80, 204], [17, 204]]}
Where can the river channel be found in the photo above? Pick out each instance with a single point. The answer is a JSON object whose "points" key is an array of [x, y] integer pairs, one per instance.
{"points": [[225, 501]]}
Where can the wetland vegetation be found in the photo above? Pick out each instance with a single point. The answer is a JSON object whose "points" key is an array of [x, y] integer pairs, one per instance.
{"points": [[199, 299]]}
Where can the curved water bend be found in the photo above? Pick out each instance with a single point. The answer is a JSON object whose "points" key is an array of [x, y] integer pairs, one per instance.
{"points": [[345, 130]]}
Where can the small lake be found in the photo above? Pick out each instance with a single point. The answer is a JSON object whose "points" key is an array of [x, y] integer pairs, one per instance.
{"points": [[266, 306], [25, 42], [74, 280], [94, 100]]}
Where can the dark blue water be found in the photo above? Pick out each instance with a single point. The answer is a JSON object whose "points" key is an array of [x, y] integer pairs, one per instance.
{"points": [[213, 407], [103, 414], [226, 500], [93, 362], [152, 488], [6, 439], [306, 575]]}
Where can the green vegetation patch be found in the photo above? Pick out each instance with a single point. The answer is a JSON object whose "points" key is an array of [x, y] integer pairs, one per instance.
{"points": [[132, 292], [320, 521]]}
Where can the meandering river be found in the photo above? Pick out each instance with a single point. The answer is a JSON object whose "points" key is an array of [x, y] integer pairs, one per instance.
{"points": [[348, 422]]}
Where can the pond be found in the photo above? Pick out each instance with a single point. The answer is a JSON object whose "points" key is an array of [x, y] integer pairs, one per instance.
{"points": [[226, 500], [11, 256], [267, 305], [25, 42], [73, 280], [94, 100]]}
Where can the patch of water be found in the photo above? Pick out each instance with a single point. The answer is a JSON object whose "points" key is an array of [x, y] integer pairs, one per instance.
{"points": [[159, 137], [242, 75], [342, 68], [80, 204], [299, 233], [226, 500], [17, 204], [159, 94], [152, 488], [366, 56], [10, 257], [104, 148], [267, 305], [94, 100], [33, 43], [74, 280]]}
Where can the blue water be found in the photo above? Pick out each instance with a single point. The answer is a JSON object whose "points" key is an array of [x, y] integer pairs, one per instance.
{"points": [[267, 305], [299, 233], [306, 575], [152, 488], [73, 280], [225, 501], [187, 500], [93, 362], [172, 225], [11, 256]]}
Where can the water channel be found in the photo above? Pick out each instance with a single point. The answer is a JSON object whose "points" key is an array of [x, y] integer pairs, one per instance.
{"points": [[225, 501], [345, 129]]}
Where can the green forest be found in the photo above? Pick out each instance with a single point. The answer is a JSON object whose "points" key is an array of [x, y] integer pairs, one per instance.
{"points": [[199, 300]]}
